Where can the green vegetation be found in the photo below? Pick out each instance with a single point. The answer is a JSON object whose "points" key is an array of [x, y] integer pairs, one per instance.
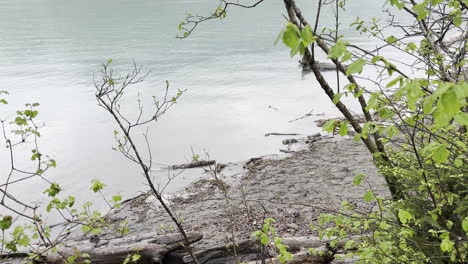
{"points": [[416, 124], [415, 128]]}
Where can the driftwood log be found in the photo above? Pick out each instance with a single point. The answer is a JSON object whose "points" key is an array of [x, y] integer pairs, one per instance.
{"points": [[246, 250], [304, 257], [195, 164], [281, 134], [151, 247]]}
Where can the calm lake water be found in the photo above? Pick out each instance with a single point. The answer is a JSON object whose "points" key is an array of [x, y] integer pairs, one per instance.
{"points": [[233, 72]]}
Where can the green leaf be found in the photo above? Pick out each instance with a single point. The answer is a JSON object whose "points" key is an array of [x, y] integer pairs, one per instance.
{"points": [[368, 196], [441, 118], [391, 39], [411, 46], [440, 153], [290, 36], [52, 163], [358, 179], [329, 126], [457, 20], [264, 239], [24, 241], [280, 36], [337, 50], [404, 216], [428, 106], [398, 4], [356, 67], [373, 103], [449, 224], [256, 234], [136, 257], [462, 118], [53, 190], [337, 97], [394, 81], [299, 48], [116, 198], [97, 186], [350, 87], [6, 222], [465, 224], [413, 92], [449, 102], [307, 35], [31, 113], [392, 131], [85, 228], [446, 245], [346, 56], [421, 10], [343, 130], [20, 121]]}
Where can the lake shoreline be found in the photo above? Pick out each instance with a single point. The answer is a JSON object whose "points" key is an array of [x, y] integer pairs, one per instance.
{"points": [[293, 189], [226, 206]]}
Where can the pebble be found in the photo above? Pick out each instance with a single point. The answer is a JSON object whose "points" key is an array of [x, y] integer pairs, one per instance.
{"points": [[293, 226]]}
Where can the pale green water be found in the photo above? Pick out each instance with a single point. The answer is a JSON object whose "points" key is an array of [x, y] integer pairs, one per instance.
{"points": [[49, 50]]}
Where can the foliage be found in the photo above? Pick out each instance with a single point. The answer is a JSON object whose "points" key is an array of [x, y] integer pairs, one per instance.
{"points": [[415, 128], [109, 92], [268, 234], [22, 226]]}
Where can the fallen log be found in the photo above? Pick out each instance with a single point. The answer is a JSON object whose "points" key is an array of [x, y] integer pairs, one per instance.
{"points": [[194, 164], [13, 258], [246, 250], [281, 134], [251, 161], [151, 247], [296, 244], [323, 255]]}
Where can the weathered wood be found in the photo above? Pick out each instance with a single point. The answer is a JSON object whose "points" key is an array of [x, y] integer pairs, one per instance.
{"points": [[296, 244], [251, 160], [314, 136], [151, 247], [323, 256], [13, 258], [281, 134], [246, 250], [195, 164], [304, 257], [300, 243]]}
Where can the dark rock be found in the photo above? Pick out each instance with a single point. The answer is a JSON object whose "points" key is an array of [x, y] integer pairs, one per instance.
{"points": [[289, 141]]}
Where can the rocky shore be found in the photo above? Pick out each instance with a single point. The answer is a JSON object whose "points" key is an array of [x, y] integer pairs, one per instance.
{"points": [[231, 201], [294, 190]]}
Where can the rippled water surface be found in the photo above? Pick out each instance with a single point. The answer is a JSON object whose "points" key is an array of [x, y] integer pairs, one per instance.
{"points": [[233, 72]]}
